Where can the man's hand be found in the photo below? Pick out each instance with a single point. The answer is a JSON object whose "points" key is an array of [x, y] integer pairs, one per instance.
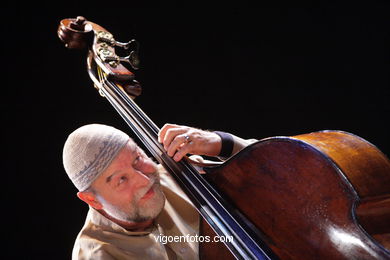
{"points": [[180, 140]]}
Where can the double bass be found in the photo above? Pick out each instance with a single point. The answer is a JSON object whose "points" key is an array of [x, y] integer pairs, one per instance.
{"points": [[321, 195]]}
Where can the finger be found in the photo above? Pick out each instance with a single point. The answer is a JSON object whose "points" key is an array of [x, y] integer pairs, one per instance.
{"points": [[176, 143], [185, 149], [171, 135], [163, 130]]}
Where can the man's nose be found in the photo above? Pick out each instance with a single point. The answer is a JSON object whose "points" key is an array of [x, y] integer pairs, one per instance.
{"points": [[143, 179]]}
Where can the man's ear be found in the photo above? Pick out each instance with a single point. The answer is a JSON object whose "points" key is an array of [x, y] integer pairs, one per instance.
{"points": [[89, 198]]}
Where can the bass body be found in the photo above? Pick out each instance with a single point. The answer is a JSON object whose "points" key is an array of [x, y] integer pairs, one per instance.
{"points": [[323, 195]]}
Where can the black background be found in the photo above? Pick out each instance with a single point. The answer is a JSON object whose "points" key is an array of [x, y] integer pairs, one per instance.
{"points": [[253, 72]]}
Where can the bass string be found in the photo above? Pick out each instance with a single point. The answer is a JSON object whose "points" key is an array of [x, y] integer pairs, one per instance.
{"points": [[147, 131]]}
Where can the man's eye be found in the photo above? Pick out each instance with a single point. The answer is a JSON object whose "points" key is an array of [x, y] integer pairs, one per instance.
{"points": [[122, 179], [137, 160]]}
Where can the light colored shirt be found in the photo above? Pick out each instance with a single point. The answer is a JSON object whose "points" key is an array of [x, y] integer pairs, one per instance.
{"points": [[100, 238]]}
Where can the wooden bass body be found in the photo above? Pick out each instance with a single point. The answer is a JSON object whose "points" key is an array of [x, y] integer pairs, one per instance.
{"points": [[323, 195]]}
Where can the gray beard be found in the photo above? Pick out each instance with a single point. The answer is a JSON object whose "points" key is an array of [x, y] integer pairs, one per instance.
{"points": [[136, 216]]}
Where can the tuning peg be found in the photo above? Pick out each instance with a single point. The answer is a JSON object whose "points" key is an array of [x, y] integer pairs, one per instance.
{"points": [[108, 38], [127, 45], [132, 59], [107, 55]]}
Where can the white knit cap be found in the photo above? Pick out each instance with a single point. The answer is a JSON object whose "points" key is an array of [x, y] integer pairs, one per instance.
{"points": [[89, 150]]}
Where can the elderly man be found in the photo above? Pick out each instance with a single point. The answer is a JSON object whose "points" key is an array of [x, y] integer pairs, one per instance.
{"points": [[132, 201]]}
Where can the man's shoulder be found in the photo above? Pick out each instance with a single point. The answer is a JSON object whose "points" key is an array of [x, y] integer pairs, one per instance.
{"points": [[86, 248], [95, 245], [90, 242]]}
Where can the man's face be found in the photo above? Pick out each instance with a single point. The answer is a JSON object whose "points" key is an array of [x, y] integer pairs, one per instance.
{"points": [[129, 189]]}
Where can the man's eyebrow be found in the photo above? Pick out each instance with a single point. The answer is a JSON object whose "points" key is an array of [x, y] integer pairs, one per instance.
{"points": [[108, 179]]}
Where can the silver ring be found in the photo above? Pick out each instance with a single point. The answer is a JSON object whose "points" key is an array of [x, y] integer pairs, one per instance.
{"points": [[187, 139]]}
